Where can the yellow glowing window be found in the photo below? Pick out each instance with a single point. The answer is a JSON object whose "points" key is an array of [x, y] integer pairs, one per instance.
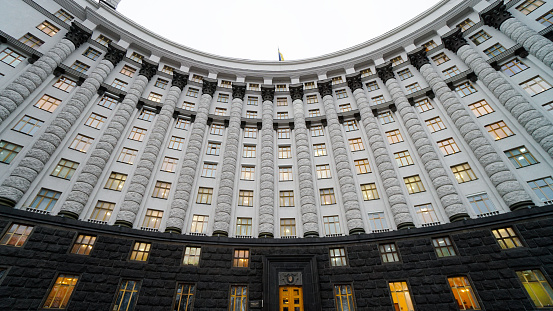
{"points": [[61, 292], [204, 195], [369, 192], [463, 292], [191, 255], [48, 103], [116, 181], [414, 184], [241, 258], [499, 130], [140, 251], [161, 190], [16, 235], [102, 211], [83, 245], [327, 196]]}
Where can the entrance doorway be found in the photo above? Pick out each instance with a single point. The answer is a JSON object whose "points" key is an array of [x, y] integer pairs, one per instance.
{"points": [[290, 298]]}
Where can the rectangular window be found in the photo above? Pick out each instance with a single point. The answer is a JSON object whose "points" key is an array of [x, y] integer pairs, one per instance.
{"points": [[209, 170], [102, 211], [535, 86], [281, 88], [309, 85], [465, 89], [226, 84], [443, 247], [137, 57], [377, 222], [426, 214], [323, 171], [65, 84], [140, 251], [404, 74], [217, 129], [282, 115], [199, 224], [103, 40], [284, 173], [137, 134], [116, 181], [244, 227], [167, 69], [253, 101], [314, 112], [451, 72], [403, 158], [412, 88], [337, 257], [481, 204], [83, 244], [146, 115], [319, 150], [499, 130], [197, 78], [8, 151], [386, 117], [223, 98], [95, 121], [238, 298], [362, 166], [48, 103], [241, 259], [543, 188], [245, 198], [448, 146], [356, 144], [28, 125], [248, 152], [414, 184], [108, 102], [61, 292], [126, 296], [192, 92], [287, 227], [182, 124], [546, 19], [220, 111], [337, 80], [464, 295], [64, 16], [372, 86], [317, 130], [127, 71], [366, 72], [286, 198], [284, 152], [118, 84], [152, 219], [388, 252], [394, 137], [127, 156], [31, 41], [343, 295], [283, 133], [45, 200], [184, 298], [507, 238], [282, 101], [529, 6], [466, 24], [65, 169], [253, 87], [92, 53], [435, 124], [520, 157], [345, 107], [213, 148], [440, 59], [332, 225], [16, 235], [429, 45], [423, 105], [81, 143], [513, 67], [204, 195], [537, 287], [161, 190], [480, 37], [169, 164], [247, 173], [155, 97], [312, 99], [494, 50], [369, 192], [191, 256], [400, 296], [463, 173], [378, 100], [351, 125], [341, 94], [481, 108], [10, 57], [80, 67], [396, 61], [251, 114], [162, 84], [327, 196]]}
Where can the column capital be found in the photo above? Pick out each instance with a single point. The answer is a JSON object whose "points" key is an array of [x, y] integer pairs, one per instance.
{"points": [[454, 40], [325, 88], [78, 34], [209, 86], [385, 72], [179, 80], [148, 69], [354, 82], [268, 93], [495, 15], [296, 92], [418, 58], [238, 90], [114, 54]]}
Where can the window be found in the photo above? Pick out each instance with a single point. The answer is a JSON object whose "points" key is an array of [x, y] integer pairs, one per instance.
{"points": [[45, 200], [536, 286], [309, 85], [253, 87], [464, 295], [543, 188], [65, 84], [535, 86], [451, 72], [362, 166], [314, 112], [386, 117], [507, 238], [394, 137], [319, 150], [287, 198], [429, 45], [167, 69], [378, 100], [494, 50], [184, 298], [341, 94], [252, 101], [182, 124], [465, 89], [226, 84], [372, 86], [191, 255], [287, 227], [140, 251], [377, 221], [80, 67], [116, 181], [146, 115], [81, 143], [366, 72], [137, 57], [251, 114], [10, 57], [108, 102], [248, 152], [480, 37], [65, 169], [513, 67], [162, 84], [414, 184], [481, 108], [61, 291], [312, 99], [282, 101], [343, 295], [213, 148], [197, 78], [351, 125], [423, 105], [238, 298], [16, 235], [161, 190], [48, 103], [83, 244], [529, 6], [443, 247], [332, 225], [126, 296], [95, 121], [92, 53], [199, 224], [426, 214], [404, 74], [546, 19], [204, 195], [337, 80], [118, 84], [192, 92], [284, 173], [8, 151], [31, 41], [152, 219], [463, 173], [155, 97], [220, 111], [338, 257], [217, 129], [520, 157], [369, 192], [400, 296], [64, 16], [103, 40], [244, 227], [345, 107], [388, 252], [169, 164], [396, 61], [223, 98], [209, 170], [499, 130], [241, 259], [356, 144], [283, 133], [284, 152], [247, 173], [481, 203], [403, 158], [127, 156], [466, 24], [28, 125], [282, 115], [323, 171], [137, 134], [448, 146], [440, 59], [102, 211], [128, 71], [327, 196], [435, 124], [317, 130], [245, 198], [411, 88], [281, 88]]}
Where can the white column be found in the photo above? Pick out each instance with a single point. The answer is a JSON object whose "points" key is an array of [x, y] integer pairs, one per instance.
{"points": [[267, 186]]}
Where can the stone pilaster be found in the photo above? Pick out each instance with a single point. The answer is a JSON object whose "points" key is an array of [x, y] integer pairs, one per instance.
{"points": [[99, 157], [223, 207], [348, 188], [384, 166], [17, 91], [503, 180], [533, 121], [19, 181], [308, 204], [183, 190], [451, 202], [267, 185], [143, 172]]}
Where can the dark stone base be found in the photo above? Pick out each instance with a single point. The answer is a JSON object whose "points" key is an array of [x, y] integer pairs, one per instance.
{"points": [[459, 217], [173, 230], [521, 205], [406, 225], [68, 214], [123, 223]]}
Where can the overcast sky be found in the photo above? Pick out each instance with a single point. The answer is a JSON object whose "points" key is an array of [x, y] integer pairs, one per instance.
{"points": [[255, 29]]}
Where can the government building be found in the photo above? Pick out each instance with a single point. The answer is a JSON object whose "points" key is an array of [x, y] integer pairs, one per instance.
{"points": [[410, 172]]}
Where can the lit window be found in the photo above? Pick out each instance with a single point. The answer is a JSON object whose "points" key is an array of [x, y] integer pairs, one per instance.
{"points": [[312, 99], [426, 213], [451, 72], [394, 136], [128, 71], [281, 88], [248, 152], [102, 211], [244, 227], [126, 296], [520, 157], [192, 92], [191, 255], [155, 97], [146, 115], [16, 235], [286, 198], [247, 173], [250, 132], [108, 102], [309, 85], [372, 86], [377, 221], [48, 103], [127, 156], [209, 170], [81, 143], [341, 94], [466, 24], [152, 219], [396, 61], [65, 84], [543, 188], [313, 113], [184, 298], [213, 148], [45, 200], [167, 69], [245, 198], [204, 195], [331, 225], [161, 190], [116, 181], [220, 111], [537, 286], [403, 158], [238, 298], [226, 84], [284, 173], [160, 83], [351, 125], [137, 134], [535, 86], [317, 130], [282, 101], [252, 101], [499, 130], [80, 67], [137, 57], [222, 98], [10, 57], [481, 108], [507, 238], [118, 84], [337, 80], [404, 74], [448, 146], [345, 107], [463, 173], [465, 89], [529, 6], [64, 16], [369, 192], [253, 87], [480, 37], [327, 196], [282, 115], [481, 203], [378, 100], [103, 40], [356, 144], [8, 151], [388, 252], [199, 224], [217, 129], [513, 67], [65, 169], [343, 295], [443, 247], [435, 124], [546, 19], [386, 117], [423, 105], [31, 41], [287, 227], [61, 292], [284, 152], [251, 114], [182, 124], [362, 166], [414, 184], [337, 257], [429, 45], [283, 133], [95, 121], [319, 150], [241, 259], [83, 244], [169, 164], [140, 251], [366, 72], [462, 290], [411, 88]]}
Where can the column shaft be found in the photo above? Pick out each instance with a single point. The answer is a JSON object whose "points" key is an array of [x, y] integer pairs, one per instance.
{"points": [[267, 185]]}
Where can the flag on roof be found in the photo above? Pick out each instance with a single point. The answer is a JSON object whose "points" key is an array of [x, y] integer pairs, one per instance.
{"points": [[280, 57]]}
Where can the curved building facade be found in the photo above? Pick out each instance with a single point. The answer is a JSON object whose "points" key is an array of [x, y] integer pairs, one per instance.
{"points": [[410, 172]]}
